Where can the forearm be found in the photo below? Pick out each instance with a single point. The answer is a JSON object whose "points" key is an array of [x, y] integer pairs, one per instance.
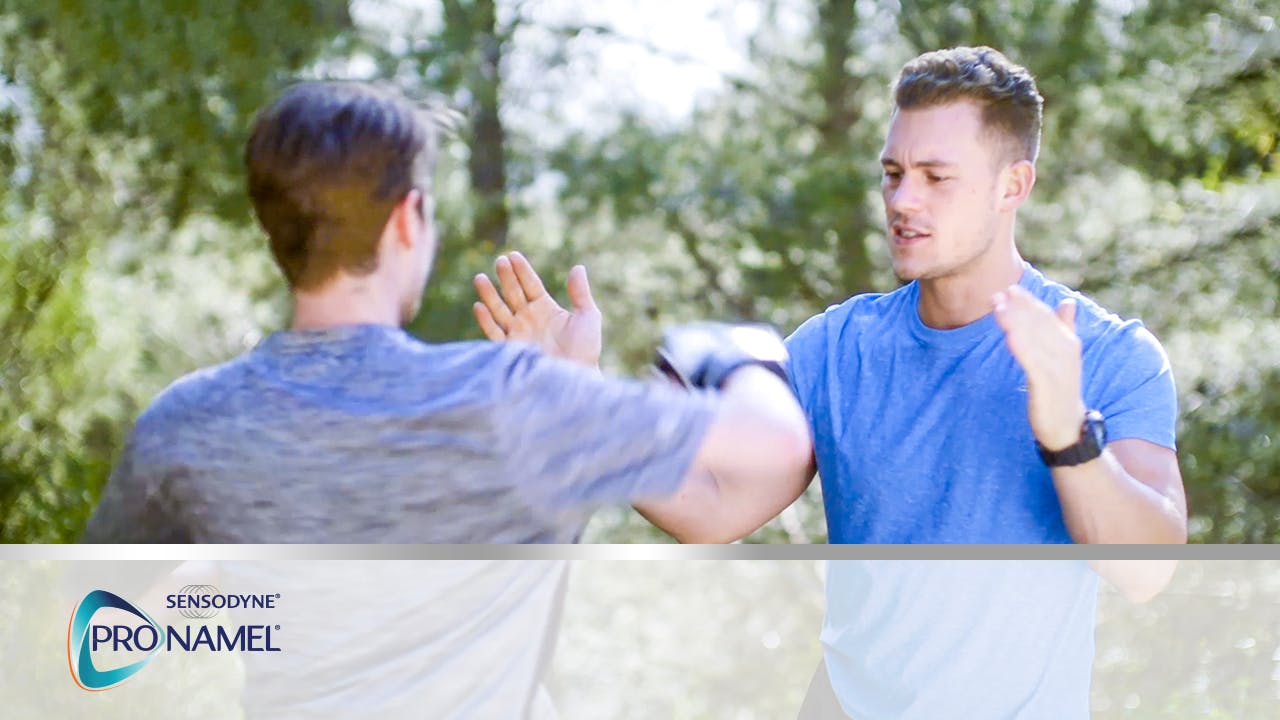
{"points": [[694, 514], [753, 463], [1104, 503], [1137, 580], [706, 510]]}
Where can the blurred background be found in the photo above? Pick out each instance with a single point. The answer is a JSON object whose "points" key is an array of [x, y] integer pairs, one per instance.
{"points": [[704, 158]]}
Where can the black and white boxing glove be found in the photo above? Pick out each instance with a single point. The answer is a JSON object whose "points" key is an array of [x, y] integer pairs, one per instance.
{"points": [[702, 355]]}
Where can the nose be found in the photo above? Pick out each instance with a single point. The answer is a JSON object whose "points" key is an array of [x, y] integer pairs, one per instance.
{"points": [[903, 198]]}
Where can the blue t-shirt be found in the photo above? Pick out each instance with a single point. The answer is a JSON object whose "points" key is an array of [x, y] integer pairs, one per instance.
{"points": [[921, 435], [997, 640]]}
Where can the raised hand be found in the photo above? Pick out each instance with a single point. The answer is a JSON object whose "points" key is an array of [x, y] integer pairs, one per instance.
{"points": [[525, 312], [1045, 344]]}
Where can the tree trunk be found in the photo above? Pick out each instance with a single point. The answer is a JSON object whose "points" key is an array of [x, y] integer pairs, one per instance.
{"points": [[837, 87], [488, 137]]}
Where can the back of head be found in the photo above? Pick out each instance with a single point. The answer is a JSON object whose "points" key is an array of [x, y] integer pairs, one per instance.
{"points": [[1012, 107], [327, 163]]}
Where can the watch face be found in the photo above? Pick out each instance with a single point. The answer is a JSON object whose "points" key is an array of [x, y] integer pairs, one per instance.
{"points": [[1096, 428]]}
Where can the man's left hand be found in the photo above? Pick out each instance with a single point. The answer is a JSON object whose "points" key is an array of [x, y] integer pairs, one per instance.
{"points": [[526, 312], [1045, 344]]}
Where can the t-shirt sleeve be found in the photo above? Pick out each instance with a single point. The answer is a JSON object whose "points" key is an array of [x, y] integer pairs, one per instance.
{"points": [[579, 439], [1131, 384], [132, 509], [806, 348]]}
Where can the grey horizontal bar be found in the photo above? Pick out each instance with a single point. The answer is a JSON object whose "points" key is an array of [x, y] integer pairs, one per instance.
{"points": [[639, 552]]}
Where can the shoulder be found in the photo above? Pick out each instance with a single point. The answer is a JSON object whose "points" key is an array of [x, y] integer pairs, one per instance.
{"points": [[500, 370], [193, 392], [170, 415], [857, 314], [506, 364], [1113, 346], [1101, 330], [1127, 376], [405, 371], [472, 357]]}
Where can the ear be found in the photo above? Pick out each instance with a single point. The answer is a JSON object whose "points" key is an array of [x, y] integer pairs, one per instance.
{"points": [[1015, 183], [406, 218]]}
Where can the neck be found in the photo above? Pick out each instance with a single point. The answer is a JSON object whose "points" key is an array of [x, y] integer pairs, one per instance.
{"points": [[344, 301], [965, 296]]}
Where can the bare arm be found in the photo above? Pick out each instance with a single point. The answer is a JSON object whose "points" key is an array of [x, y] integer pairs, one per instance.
{"points": [[757, 456], [1133, 492], [755, 460], [1138, 580]]}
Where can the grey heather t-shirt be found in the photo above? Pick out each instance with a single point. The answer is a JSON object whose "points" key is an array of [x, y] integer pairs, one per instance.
{"points": [[363, 434]]}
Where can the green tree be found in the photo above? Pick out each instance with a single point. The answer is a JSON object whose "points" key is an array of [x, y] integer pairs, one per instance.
{"points": [[124, 124]]}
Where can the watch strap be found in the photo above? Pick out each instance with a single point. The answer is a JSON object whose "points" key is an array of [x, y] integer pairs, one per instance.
{"points": [[1093, 440]]}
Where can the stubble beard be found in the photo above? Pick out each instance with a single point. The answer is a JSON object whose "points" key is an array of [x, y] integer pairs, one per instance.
{"points": [[942, 270]]}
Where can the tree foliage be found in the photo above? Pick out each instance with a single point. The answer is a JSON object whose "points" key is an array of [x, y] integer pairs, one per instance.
{"points": [[124, 125]]}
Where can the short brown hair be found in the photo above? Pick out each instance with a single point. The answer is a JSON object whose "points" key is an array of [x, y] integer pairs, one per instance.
{"points": [[327, 163], [1011, 104]]}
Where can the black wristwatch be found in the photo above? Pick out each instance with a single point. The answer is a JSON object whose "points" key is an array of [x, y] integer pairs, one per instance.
{"points": [[1093, 440]]}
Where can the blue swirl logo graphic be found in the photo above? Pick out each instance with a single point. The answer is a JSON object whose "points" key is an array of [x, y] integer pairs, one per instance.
{"points": [[80, 643]]}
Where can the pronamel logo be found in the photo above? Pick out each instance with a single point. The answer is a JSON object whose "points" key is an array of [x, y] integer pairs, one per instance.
{"points": [[139, 638], [82, 638]]}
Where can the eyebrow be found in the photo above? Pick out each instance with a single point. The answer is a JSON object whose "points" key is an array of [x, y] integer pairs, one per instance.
{"points": [[931, 163]]}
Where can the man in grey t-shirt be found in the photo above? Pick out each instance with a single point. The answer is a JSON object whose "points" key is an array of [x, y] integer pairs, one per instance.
{"points": [[346, 429]]}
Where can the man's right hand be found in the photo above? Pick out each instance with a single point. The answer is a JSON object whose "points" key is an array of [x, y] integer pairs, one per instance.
{"points": [[525, 312]]}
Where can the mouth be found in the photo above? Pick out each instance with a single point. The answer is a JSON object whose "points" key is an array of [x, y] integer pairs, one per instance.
{"points": [[906, 236]]}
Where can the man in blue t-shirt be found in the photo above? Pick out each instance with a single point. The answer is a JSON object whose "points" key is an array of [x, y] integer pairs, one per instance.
{"points": [[981, 402]]}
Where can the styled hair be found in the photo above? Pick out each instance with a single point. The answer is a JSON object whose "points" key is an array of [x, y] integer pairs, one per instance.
{"points": [[1012, 108], [327, 163]]}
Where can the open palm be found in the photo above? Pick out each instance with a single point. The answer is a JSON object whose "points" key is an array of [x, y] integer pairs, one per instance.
{"points": [[525, 312]]}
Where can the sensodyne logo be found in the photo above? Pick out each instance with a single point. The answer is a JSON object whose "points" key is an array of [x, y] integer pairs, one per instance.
{"points": [[141, 638], [201, 602]]}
